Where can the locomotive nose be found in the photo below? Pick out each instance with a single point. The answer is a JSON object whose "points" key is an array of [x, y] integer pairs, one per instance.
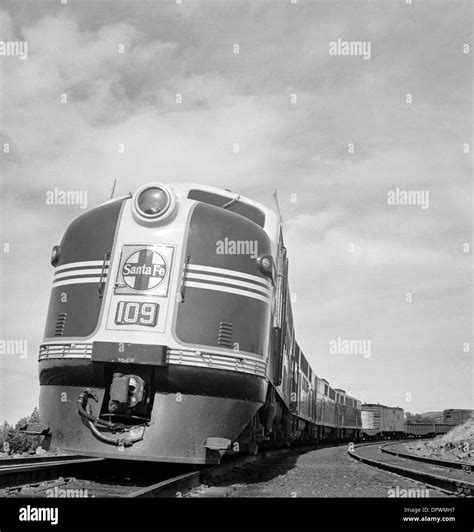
{"points": [[153, 204]]}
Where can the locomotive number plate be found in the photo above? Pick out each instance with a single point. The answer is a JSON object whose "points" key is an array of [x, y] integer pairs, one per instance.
{"points": [[136, 313]]}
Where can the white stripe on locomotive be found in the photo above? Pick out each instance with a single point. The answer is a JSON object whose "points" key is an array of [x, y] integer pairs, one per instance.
{"points": [[233, 273], [226, 280], [75, 273], [88, 263], [220, 288], [78, 281]]}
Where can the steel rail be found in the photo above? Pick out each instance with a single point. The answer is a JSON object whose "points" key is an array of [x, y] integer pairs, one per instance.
{"points": [[34, 471], [452, 464], [447, 484], [39, 459], [171, 487]]}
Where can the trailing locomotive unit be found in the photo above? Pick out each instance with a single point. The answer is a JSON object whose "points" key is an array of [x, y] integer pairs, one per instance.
{"points": [[169, 334]]}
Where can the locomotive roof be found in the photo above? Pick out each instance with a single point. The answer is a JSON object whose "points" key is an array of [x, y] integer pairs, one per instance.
{"points": [[272, 219], [381, 406]]}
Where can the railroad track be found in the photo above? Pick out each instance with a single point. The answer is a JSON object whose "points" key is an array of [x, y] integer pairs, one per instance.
{"points": [[66, 476], [444, 475], [71, 476], [72, 487], [128, 480], [451, 464], [79, 476], [171, 487], [37, 459], [20, 471]]}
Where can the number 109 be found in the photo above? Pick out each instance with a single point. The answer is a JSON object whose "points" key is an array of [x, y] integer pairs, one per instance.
{"points": [[136, 313]]}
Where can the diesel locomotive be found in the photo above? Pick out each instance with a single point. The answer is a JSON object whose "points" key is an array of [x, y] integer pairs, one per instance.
{"points": [[169, 334]]}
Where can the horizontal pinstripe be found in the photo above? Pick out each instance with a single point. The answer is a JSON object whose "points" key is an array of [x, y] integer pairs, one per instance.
{"points": [[80, 280], [227, 281], [84, 264], [80, 272], [228, 289], [198, 268]]}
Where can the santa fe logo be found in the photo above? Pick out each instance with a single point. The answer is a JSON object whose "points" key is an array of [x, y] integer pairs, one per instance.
{"points": [[144, 269]]}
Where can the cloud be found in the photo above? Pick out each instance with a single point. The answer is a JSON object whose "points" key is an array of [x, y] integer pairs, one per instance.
{"points": [[187, 49]]}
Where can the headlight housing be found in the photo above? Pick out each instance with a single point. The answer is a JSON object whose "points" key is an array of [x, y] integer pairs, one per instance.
{"points": [[153, 202], [266, 266], [55, 254]]}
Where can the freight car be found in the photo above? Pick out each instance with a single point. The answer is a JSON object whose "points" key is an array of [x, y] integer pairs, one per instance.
{"points": [[382, 422], [418, 430], [169, 335], [457, 416]]}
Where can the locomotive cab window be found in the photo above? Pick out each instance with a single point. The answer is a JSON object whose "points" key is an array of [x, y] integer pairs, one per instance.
{"points": [[239, 207]]}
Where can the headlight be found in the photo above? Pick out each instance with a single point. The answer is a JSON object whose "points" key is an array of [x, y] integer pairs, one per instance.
{"points": [[55, 253], [265, 265], [153, 202]]}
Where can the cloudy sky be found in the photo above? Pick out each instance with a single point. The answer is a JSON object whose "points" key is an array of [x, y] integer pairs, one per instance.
{"points": [[398, 275]]}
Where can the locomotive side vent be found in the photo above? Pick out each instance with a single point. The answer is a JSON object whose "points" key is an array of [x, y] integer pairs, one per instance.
{"points": [[60, 323], [225, 334]]}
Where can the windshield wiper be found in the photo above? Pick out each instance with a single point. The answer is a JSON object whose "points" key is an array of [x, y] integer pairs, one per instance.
{"points": [[231, 202]]}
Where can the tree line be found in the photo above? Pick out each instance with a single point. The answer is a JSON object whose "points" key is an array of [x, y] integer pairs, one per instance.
{"points": [[12, 441], [419, 418]]}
